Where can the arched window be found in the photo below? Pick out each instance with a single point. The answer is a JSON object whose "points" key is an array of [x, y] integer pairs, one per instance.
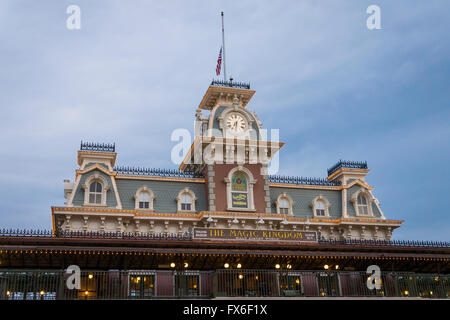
{"points": [[284, 204], [240, 189], [95, 192], [144, 199], [320, 206], [186, 200], [362, 202], [362, 205]]}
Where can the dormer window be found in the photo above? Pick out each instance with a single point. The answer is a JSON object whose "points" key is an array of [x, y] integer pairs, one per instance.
{"points": [[95, 192], [186, 200], [362, 202], [144, 199], [362, 205], [320, 206], [284, 204]]}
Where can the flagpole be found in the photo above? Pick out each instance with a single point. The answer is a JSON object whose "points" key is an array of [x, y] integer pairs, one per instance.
{"points": [[223, 46]]}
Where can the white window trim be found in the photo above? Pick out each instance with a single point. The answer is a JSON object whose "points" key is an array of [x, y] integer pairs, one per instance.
{"points": [[144, 189], [369, 198], [193, 199], [327, 206], [290, 201], [251, 181], [105, 187]]}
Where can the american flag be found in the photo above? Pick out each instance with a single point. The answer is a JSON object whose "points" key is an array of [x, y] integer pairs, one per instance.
{"points": [[219, 62]]}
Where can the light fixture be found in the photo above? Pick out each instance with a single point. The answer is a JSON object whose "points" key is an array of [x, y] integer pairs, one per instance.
{"points": [[256, 277], [235, 220], [326, 267], [138, 279], [172, 265], [42, 292], [260, 221], [226, 265], [90, 276], [86, 292], [239, 266], [186, 264], [297, 281], [241, 276], [406, 292], [277, 266], [337, 266], [8, 293], [288, 266]]}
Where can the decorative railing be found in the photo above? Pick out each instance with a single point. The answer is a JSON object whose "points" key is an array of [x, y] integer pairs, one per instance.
{"points": [[221, 83], [153, 172], [124, 235], [303, 181], [395, 243], [99, 147], [347, 164], [188, 236]]}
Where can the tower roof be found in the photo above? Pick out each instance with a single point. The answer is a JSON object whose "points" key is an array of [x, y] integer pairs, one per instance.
{"points": [[220, 91]]}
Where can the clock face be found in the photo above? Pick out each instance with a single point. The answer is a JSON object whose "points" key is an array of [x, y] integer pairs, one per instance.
{"points": [[236, 123]]}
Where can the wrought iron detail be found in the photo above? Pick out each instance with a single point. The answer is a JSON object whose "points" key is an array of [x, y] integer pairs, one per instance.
{"points": [[347, 164], [99, 147], [231, 84], [302, 181], [188, 236], [153, 172]]}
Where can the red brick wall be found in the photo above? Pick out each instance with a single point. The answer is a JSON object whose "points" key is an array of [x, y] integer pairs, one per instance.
{"points": [[221, 171]]}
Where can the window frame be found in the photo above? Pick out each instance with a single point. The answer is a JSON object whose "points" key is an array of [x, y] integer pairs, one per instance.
{"points": [[151, 198], [284, 196], [327, 205], [179, 200]]}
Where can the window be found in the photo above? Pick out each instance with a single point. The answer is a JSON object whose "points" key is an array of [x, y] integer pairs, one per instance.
{"points": [[144, 199], [186, 200], [95, 192], [320, 208], [239, 190], [362, 202], [362, 205], [240, 184], [284, 204]]}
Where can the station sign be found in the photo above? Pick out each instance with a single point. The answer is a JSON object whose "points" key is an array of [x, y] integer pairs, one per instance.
{"points": [[254, 235]]}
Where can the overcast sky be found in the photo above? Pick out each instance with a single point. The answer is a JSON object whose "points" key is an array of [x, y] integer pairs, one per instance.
{"points": [[137, 70]]}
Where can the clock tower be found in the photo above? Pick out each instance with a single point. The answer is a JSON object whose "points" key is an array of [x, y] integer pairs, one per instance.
{"points": [[230, 150]]}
